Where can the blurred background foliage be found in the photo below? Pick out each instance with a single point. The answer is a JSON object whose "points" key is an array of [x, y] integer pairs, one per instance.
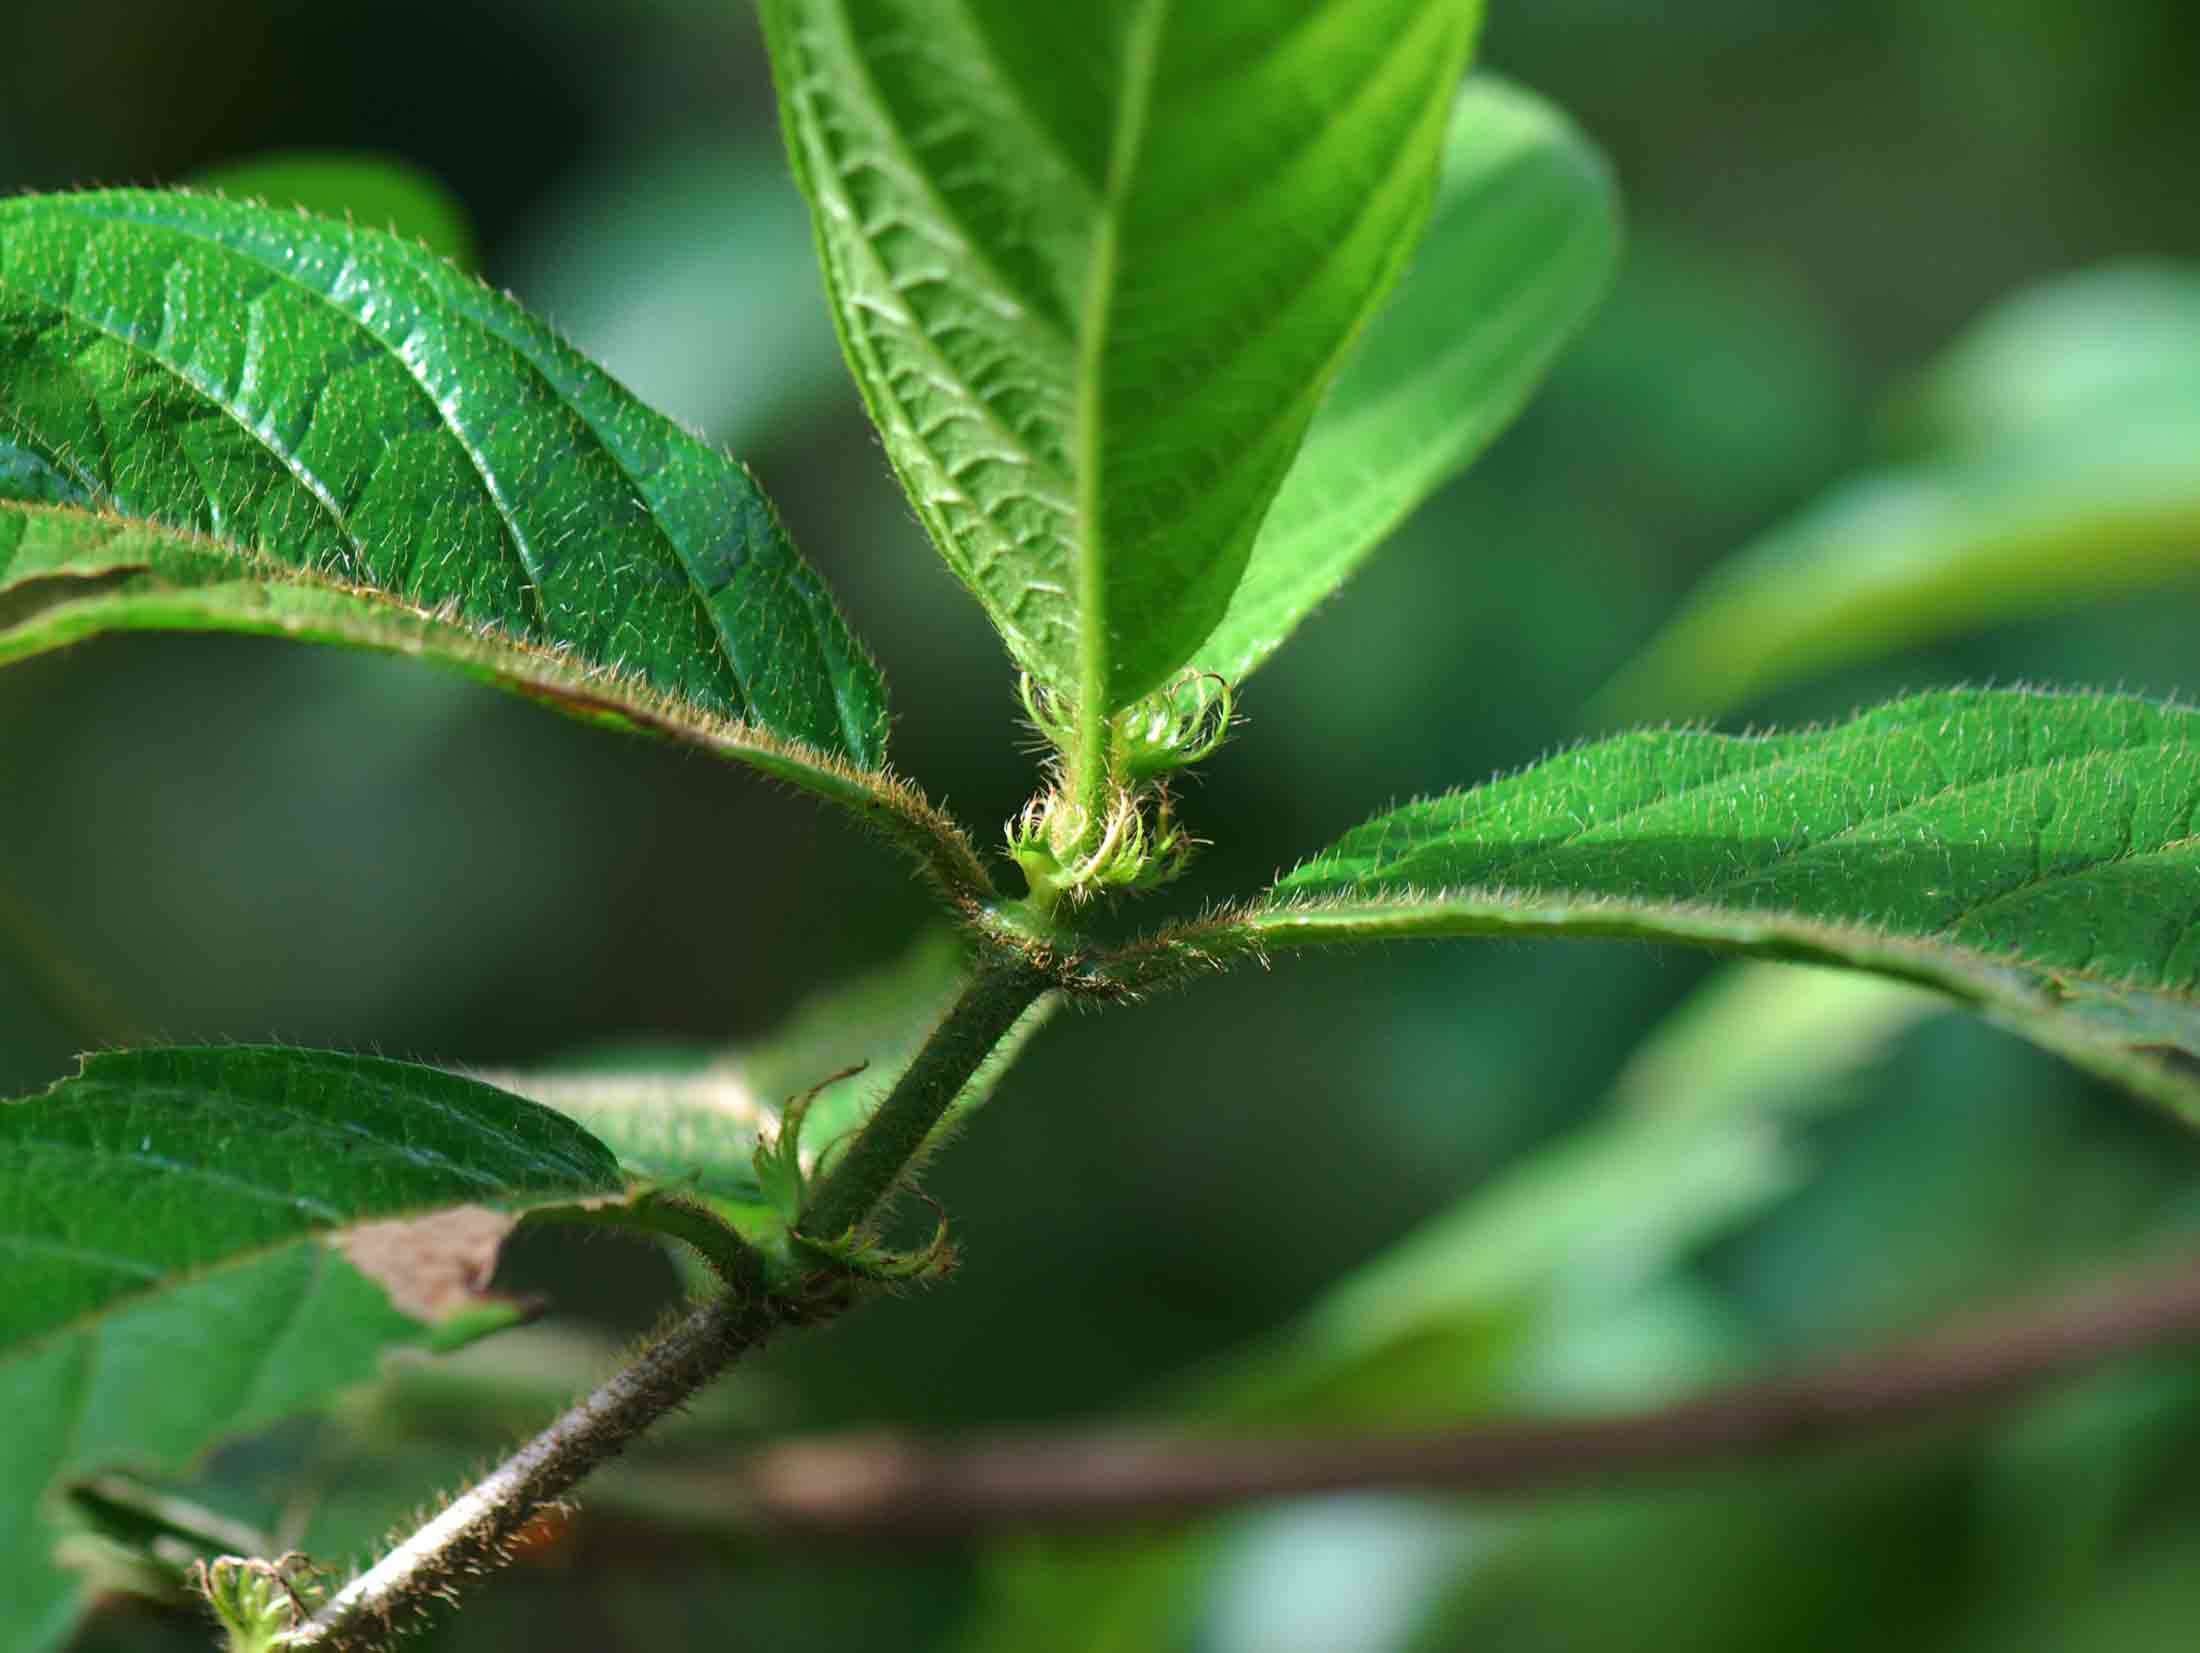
{"points": [[1624, 1173]]}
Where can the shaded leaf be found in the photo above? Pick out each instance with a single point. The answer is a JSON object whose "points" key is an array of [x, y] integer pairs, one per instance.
{"points": [[167, 1217], [2031, 854], [1093, 267], [150, 1167], [339, 403], [2086, 345], [1891, 560], [2058, 439], [1519, 247]]}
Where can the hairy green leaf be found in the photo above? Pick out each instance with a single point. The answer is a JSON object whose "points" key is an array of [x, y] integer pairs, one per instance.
{"points": [[2059, 468], [1093, 267], [149, 1168], [2032, 854], [173, 1219], [383, 192], [1520, 246], [337, 402]]}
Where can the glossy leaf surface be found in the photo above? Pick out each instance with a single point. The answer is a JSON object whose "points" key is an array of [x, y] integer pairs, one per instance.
{"points": [[1519, 247], [1093, 267], [337, 402], [2032, 854]]}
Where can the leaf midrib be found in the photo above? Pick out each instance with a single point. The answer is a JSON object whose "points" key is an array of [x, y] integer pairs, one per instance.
{"points": [[1419, 906], [1377, 74], [1142, 54]]}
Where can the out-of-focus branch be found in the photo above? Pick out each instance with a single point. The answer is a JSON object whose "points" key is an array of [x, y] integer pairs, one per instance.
{"points": [[68, 991], [887, 1487]]}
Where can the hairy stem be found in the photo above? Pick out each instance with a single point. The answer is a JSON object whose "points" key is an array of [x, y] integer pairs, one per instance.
{"points": [[904, 1489], [472, 1533], [862, 1178]]}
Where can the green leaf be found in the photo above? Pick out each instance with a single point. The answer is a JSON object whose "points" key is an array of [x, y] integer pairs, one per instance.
{"points": [[182, 1211], [262, 1341], [1898, 558], [1521, 244], [150, 1167], [2089, 345], [2060, 470], [1093, 267], [68, 574], [383, 192], [2033, 855], [338, 403]]}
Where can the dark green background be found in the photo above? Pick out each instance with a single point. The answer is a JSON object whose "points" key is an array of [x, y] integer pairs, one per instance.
{"points": [[240, 840]]}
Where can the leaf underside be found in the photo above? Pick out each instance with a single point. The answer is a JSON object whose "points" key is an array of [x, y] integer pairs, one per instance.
{"points": [[338, 403], [1093, 267], [2033, 854], [1520, 245]]}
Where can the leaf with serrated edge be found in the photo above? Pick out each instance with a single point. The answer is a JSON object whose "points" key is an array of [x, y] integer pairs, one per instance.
{"points": [[173, 1212], [339, 402], [148, 1168], [1093, 267], [67, 575], [2032, 854], [1519, 247], [384, 192]]}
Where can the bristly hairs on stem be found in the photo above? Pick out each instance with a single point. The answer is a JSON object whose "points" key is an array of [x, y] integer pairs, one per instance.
{"points": [[475, 1530], [262, 1604]]}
